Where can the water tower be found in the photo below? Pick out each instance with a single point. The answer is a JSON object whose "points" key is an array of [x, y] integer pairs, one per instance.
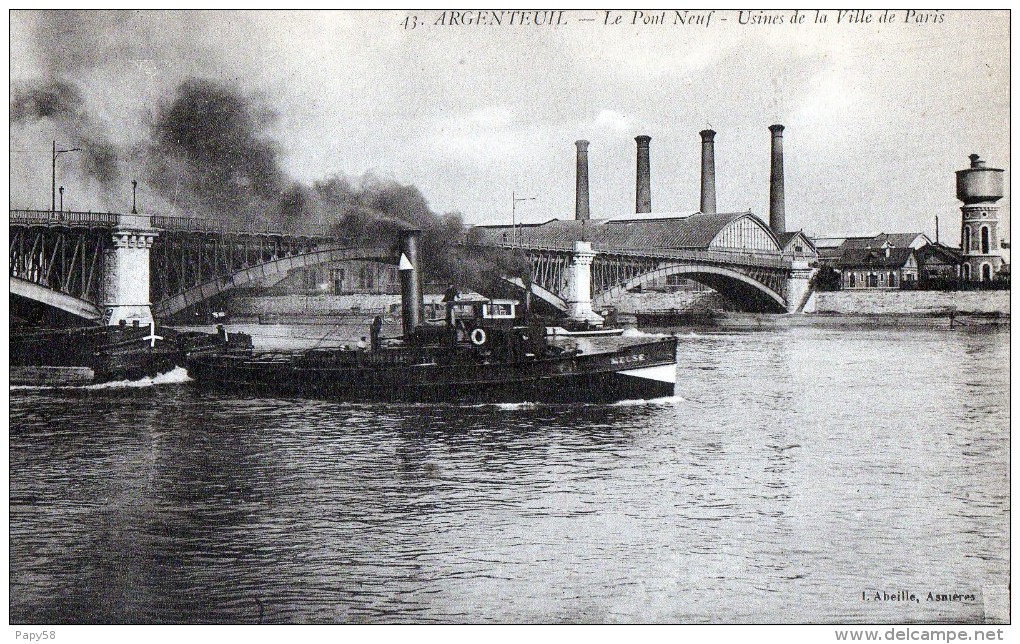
{"points": [[979, 188]]}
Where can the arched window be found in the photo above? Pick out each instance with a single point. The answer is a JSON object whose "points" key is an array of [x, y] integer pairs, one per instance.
{"points": [[986, 272], [853, 280], [966, 272], [892, 279], [966, 239], [984, 241]]}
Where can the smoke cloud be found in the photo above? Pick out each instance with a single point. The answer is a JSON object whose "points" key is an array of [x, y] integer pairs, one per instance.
{"points": [[206, 146], [61, 102], [209, 155]]}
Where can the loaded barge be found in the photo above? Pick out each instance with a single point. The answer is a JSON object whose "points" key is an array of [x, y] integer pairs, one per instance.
{"points": [[88, 355]]}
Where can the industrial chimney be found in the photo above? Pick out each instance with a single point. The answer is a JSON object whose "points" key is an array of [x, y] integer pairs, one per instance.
{"points": [[581, 211], [708, 171], [777, 194], [644, 179]]}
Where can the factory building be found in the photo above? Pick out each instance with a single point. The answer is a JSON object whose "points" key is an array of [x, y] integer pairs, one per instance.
{"points": [[705, 229]]}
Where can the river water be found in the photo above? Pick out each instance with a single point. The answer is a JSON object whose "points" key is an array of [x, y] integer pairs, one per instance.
{"points": [[801, 475]]}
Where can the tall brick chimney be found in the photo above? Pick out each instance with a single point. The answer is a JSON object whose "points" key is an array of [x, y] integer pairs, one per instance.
{"points": [[777, 191], [707, 171], [581, 211], [644, 179]]}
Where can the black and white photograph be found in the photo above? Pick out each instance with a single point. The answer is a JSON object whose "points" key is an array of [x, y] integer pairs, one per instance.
{"points": [[510, 316]]}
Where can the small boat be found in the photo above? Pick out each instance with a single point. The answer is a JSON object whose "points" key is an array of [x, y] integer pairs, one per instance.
{"points": [[481, 353]]}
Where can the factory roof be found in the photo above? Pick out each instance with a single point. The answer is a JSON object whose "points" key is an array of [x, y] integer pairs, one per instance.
{"points": [[641, 232]]}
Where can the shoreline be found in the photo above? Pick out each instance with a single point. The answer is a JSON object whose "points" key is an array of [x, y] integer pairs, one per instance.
{"points": [[754, 321]]}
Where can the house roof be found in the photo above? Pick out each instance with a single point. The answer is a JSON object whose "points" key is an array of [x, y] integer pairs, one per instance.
{"points": [[786, 238], [896, 240], [943, 252], [643, 232], [828, 242], [875, 258]]}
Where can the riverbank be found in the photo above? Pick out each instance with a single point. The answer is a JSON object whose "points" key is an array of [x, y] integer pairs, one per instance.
{"points": [[913, 302]]}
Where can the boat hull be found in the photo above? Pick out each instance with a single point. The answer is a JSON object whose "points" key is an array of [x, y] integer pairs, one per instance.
{"points": [[640, 371]]}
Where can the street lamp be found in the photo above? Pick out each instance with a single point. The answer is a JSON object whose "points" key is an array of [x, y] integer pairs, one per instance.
{"points": [[61, 198], [513, 217], [57, 153]]}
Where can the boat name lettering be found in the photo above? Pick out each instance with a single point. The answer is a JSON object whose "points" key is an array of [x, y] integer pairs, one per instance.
{"points": [[625, 359]]}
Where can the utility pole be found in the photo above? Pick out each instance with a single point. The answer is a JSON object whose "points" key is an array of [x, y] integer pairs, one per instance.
{"points": [[57, 153], [513, 217]]}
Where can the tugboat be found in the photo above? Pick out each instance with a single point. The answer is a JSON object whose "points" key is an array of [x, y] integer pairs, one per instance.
{"points": [[485, 356], [482, 352]]}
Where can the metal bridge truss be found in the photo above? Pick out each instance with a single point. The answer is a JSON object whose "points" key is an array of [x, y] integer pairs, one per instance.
{"points": [[62, 259], [180, 261]]}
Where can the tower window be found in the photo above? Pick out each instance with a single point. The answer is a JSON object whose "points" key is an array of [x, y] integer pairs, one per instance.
{"points": [[966, 239], [986, 272], [984, 240]]}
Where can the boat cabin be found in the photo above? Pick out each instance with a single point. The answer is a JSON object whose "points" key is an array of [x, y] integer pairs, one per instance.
{"points": [[481, 311]]}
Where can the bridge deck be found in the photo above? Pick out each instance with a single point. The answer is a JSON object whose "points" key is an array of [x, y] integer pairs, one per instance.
{"points": [[174, 223], [740, 257]]}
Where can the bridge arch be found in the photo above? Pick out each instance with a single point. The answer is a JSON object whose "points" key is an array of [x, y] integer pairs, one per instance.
{"points": [[278, 267], [56, 299], [752, 294]]}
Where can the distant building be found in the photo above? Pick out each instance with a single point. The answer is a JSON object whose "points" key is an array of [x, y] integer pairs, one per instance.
{"points": [[796, 245], [885, 260], [350, 277], [885, 267], [938, 265]]}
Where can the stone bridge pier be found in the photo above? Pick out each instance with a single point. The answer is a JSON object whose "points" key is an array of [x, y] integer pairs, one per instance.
{"points": [[126, 278], [800, 295], [579, 285]]}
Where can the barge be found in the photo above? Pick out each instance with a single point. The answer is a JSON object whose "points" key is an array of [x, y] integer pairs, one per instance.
{"points": [[88, 355]]}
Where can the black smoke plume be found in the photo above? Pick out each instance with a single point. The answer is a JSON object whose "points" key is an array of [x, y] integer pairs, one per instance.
{"points": [[211, 155], [61, 102]]}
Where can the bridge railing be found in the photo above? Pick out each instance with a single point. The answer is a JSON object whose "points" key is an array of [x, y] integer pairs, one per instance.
{"points": [[66, 218], [180, 223], [161, 222], [681, 254]]}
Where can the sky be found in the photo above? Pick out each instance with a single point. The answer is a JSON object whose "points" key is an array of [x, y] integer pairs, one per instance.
{"points": [[878, 116]]}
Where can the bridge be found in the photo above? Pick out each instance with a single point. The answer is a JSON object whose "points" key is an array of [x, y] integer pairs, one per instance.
{"points": [[735, 254], [115, 268]]}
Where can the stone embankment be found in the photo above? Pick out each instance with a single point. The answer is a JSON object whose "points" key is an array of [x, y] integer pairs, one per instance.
{"points": [[913, 302]]}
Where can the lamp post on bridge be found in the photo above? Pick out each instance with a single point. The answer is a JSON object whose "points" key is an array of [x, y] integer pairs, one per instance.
{"points": [[61, 198], [513, 217], [57, 153]]}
